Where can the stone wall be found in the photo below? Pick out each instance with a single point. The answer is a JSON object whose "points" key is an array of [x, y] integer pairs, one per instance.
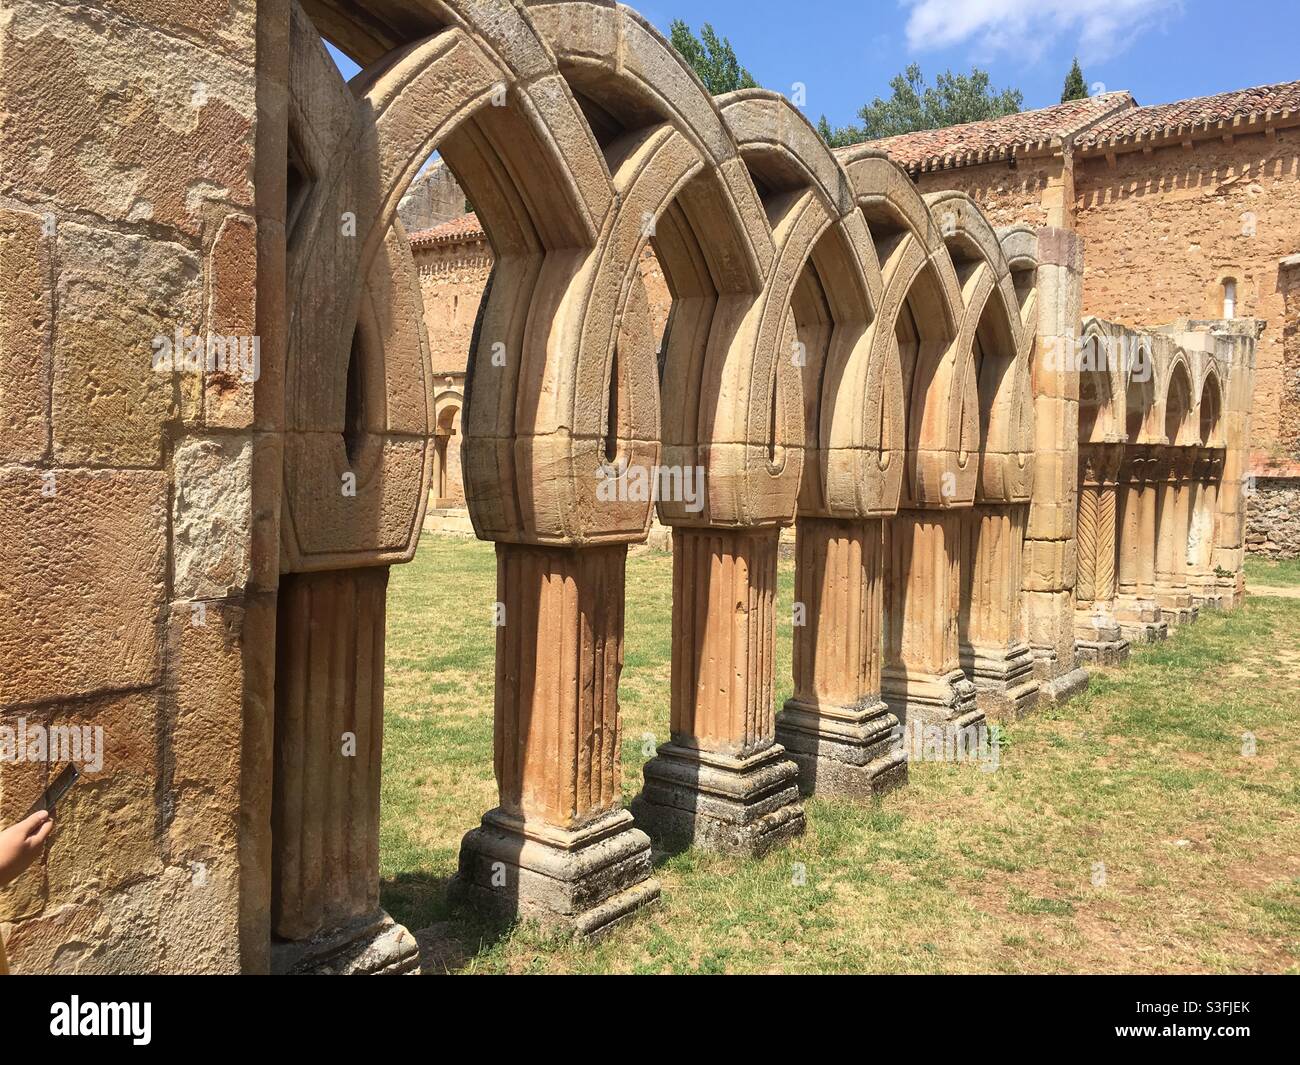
{"points": [[1165, 228], [1273, 517], [128, 215], [433, 198], [1011, 192]]}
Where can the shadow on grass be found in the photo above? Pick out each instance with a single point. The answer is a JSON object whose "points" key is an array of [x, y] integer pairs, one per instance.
{"points": [[451, 933]]}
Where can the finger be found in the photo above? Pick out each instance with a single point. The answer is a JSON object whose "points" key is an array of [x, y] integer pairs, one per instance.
{"points": [[39, 837], [32, 823]]}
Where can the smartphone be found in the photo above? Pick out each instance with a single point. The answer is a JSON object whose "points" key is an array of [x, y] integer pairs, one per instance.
{"points": [[54, 793]]}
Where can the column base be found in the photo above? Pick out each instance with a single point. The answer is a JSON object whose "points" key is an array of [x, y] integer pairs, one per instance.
{"points": [[1141, 620], [1208, 599], [1006, 688], [1056, 683], [946, 700], [721, 803], [1100, 640], [840, 750], [372, 946], [580, 882], [1178, 608]]}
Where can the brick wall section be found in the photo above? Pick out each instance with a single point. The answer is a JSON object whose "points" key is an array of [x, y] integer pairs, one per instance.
{"points": [[1164, 229]]}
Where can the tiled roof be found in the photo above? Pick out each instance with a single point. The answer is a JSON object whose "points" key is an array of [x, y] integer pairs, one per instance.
{"points": [[1105, 119], [1201, 111], [458, 230], [996, 138]]}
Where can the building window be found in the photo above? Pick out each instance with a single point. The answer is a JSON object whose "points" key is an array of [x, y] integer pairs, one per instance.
{"points": [[1229, 298]]}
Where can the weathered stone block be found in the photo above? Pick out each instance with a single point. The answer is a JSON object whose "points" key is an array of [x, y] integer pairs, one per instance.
{"points": [[117, 295], [81, 609], [25, 322]]}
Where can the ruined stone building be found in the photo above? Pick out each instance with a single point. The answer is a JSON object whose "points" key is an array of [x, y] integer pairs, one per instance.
{"points": [[1187, 210], [233, 386]]}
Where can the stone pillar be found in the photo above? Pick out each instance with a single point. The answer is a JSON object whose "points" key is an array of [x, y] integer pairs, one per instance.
{"points": [[1050, 550], [1203, 578], [723, 782], [1171, 590], [993, 651], [1100, 637], [559, 849], [922, 679], [836, 727], [329, 726], [1139, 615]]}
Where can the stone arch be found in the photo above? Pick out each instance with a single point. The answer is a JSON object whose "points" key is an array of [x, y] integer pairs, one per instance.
{"points": [[447, 490], [1209, 408], [993, 328], [737, 408], [920, 319], [853, 405], [1101, 381], [1140, 405], [1178, 402]]}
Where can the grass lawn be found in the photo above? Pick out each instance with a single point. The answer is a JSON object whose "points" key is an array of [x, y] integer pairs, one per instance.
{"points": [[1262, 572], [1127, 831]]}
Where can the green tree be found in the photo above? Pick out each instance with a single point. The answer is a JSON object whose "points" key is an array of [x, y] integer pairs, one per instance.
{"points": [[914, 105], [1075, 87], [712, 58]]}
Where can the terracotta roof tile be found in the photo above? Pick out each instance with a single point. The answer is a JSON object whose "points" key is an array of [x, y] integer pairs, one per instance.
{"points": [[995, 138], [458, 230], [1197, 111]]}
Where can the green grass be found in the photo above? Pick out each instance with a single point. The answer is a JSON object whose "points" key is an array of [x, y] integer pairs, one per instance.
{"points": [[1261, 571], [1126, 831]]}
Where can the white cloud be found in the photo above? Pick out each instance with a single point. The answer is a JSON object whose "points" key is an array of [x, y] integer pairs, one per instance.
{"points": [[1101, 27]]}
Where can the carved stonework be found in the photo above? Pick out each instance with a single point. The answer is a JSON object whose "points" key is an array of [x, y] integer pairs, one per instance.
{"points": [[836, 727], [723, 782]]}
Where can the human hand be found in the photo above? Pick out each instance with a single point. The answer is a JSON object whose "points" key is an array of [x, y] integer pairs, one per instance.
{"points": [[21, 844]]}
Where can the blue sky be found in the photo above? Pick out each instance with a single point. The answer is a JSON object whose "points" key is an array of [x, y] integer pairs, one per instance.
{"points": [[845, 51]]}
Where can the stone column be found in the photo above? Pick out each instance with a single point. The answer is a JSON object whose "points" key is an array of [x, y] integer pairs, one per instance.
{"points": [[1205, 506], [329, 725], [993, 651], [1136, 610], [1100, 637], [836, 727], [1050, 550], [723, 782], [559, 848], [1171, 590], [922, 679]]}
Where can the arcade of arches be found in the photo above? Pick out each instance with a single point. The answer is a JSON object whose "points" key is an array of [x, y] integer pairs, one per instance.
{"points": [[985, 490]]}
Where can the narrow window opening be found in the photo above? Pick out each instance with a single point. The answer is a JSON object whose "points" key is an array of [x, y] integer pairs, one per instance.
{"points": [[611, 411], [354, 412], [1229, 298]]}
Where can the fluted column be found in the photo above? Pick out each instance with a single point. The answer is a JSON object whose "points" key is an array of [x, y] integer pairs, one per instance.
{"points": [[992, 648], [1100, 636], [922, 677], [1204, 577], [329, 725], [723, 782], [558, 848], [1139, 615], [1171, 590], [836, 727]]}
